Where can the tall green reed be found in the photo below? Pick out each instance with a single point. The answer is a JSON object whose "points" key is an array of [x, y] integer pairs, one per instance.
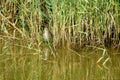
{"points": [[74, 23]]}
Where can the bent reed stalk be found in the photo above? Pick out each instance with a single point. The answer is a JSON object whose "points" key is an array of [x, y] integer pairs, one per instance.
{"points": [[73, 23]]}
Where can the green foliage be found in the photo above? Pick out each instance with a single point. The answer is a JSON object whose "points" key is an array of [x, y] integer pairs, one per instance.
{"points": [[72, 22]]}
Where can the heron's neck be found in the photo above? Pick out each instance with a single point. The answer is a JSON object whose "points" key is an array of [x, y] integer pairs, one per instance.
{"points": [[46, 31]]}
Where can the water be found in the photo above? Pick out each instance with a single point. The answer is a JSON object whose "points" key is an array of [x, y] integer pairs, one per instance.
{"points": [[66, 65]]}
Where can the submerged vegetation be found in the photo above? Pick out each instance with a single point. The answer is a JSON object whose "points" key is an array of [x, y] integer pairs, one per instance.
{"points": [[73, 23]]}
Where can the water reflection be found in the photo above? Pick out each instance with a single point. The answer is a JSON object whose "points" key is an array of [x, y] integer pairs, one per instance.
{"points": [[67, 66], [46, 53]]}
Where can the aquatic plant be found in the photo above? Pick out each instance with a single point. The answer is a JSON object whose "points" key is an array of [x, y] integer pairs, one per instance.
{"points": [[73, 23]]}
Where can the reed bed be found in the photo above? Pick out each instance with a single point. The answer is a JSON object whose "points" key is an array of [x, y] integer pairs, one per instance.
{"points": [[73, 23]]}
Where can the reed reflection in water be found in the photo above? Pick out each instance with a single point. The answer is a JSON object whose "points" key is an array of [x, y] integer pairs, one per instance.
{"points": [[67, 66]]}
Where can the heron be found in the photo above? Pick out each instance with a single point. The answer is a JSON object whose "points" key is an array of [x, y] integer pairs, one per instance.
{"points": [[47, 35]]}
